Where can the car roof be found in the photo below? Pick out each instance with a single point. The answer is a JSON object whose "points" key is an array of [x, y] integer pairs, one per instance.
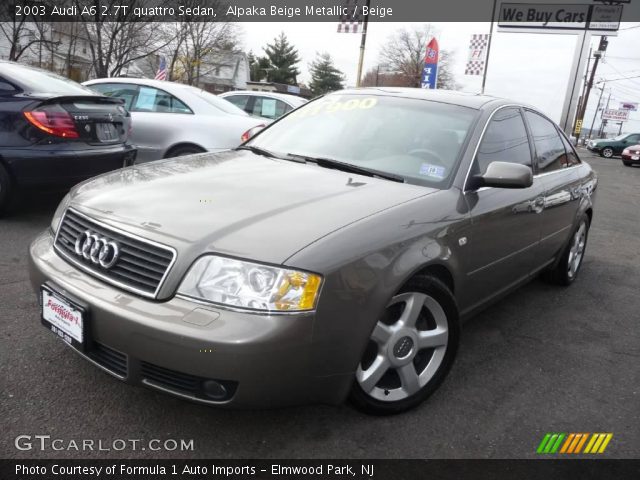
{"points": [[465, 99], [161, 84], [281, 96]]}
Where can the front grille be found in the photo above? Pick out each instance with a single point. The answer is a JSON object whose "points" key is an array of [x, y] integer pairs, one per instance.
{"points": [[190, 385], [141, 265], [108, 358]]}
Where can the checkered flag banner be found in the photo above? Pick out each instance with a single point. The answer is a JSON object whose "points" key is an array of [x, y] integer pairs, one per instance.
{"points": [[351, 19], [477, 54]]}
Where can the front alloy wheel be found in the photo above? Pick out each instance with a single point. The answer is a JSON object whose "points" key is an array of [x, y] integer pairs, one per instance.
{"points": [[410, 350], [607, 152]]}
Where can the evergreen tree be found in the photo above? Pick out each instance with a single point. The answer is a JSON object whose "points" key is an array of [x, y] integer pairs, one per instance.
{"points": [[282, 57], [325, 77], [258, 67]]}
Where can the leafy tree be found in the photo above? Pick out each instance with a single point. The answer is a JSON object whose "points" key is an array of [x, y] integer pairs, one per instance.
{"points": [[325, 77], [283, 58]]}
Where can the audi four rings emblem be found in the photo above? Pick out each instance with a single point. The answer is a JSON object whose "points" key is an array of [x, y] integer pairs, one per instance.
{"points": [[99, 250]]}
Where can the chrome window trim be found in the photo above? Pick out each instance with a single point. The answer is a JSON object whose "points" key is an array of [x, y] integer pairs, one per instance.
{"points": [[106, 279], [484, 130]]}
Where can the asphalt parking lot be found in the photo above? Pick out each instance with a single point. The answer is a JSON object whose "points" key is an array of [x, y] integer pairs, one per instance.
{"points": [[545, 359]]}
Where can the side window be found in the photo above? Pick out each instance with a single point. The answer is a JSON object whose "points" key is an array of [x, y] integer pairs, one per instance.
{"points": [[154, 100], [572, 157], [633, 139], [269, 107], [119, 90], [239, 101], [550, 151], [505, 140]]}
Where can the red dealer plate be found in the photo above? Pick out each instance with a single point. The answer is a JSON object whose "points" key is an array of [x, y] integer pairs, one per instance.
{"points": [[63, 317]]}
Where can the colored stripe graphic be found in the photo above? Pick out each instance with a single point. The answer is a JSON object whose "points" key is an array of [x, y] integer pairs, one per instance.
{"points": [[573, 443]]}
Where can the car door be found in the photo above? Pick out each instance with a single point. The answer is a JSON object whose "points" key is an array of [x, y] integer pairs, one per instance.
{"points": [[554, 158], [157, 116], [505, 223], [633, 139]]}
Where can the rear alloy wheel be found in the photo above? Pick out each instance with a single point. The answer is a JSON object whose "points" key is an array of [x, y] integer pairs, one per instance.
{"points": [[5, 189], [566, 271], [607, 152], [411, 349]]}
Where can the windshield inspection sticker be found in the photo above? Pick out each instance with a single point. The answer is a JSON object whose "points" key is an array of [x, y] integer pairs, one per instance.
{"points": [[434, 171]]}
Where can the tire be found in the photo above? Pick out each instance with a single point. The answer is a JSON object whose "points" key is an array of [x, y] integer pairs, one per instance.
{"points": [[182, 151], [567, 269], [5, 190], [607, 152], [395, 375]]}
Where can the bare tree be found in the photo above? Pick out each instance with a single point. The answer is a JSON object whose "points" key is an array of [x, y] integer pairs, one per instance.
{"points": [[404, 55], [23, 34], [117, 41]]}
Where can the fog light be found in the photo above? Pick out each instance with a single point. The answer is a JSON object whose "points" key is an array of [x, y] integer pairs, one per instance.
{"points": [[214, 390]]}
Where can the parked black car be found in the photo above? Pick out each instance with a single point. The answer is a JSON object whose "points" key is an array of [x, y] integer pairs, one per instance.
{"points": [[54, 132]]}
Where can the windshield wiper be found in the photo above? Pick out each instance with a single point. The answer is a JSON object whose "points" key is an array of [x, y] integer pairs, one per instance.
{"points": [[267, 153], [348, 167], [257, 151]]}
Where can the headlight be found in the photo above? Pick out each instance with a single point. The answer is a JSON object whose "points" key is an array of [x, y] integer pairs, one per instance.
{"points": [[236, 283], [55, 221]]}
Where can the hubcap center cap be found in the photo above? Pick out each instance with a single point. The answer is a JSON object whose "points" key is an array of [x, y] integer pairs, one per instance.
{"points": [[403, 347]]}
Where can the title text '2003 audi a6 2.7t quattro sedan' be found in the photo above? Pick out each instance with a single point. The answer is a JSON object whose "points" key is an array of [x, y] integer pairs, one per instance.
{"points": [[332, 256]]}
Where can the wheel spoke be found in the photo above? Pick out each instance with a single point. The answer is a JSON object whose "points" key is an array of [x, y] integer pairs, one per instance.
{"points": [[372, 375], [413, 306], [381, 334], [432, 338], [409, 379]]}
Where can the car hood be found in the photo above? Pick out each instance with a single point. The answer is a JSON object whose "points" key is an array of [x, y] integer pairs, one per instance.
{"points": [[236, 203]]}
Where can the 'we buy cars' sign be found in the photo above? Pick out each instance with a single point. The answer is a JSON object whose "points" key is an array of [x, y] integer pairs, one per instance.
{"points": [[568, 16]]}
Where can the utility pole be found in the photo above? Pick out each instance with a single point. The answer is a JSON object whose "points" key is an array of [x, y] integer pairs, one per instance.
{"points": [[584, 89], [604, 123], [363, 43], [597, 54], [593, 122]]}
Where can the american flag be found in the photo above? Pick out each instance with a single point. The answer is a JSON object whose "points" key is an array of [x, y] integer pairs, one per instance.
{"points": [[352, 20], [161, 74]]}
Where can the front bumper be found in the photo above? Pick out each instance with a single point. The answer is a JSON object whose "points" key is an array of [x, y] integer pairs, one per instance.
{"points": [[177, 345]]}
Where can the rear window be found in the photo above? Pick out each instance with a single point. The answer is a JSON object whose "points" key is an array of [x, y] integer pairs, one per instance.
{"points": [[215, 101], [35, 80]]}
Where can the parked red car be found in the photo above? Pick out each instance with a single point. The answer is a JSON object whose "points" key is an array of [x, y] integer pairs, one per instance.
{"points": [[631, 155]]}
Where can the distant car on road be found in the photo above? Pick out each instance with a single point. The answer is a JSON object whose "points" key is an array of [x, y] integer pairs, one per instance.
{"points": [[172, 119], [631, 155], [264, 104], [613, 146], [54, 132]]}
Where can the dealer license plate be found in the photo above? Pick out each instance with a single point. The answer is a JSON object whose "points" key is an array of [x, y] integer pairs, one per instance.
{"points": [[63, 317]]}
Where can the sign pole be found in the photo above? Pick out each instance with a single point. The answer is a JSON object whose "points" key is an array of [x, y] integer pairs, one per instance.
{"points": [[486, 62], [593, 122], [362, 45]]}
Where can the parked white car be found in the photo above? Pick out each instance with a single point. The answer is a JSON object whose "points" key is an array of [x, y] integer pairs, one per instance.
{"points": [[172, 119], [269, 105]]}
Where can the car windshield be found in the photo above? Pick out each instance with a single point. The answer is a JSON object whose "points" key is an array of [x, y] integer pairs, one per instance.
{"points": [[217, 102], [34, 80], [417, 140]]}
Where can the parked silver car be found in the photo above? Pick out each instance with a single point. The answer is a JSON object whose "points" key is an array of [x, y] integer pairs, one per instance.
{"points": [[171, 119], [332, 255], [271, 105]]}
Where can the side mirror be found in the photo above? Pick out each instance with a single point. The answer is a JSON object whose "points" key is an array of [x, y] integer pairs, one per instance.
{"points": [[505, 175]]}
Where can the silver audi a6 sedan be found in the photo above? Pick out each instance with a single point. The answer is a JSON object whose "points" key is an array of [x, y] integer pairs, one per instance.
{"points": [[332, 256], [171, 119]]}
